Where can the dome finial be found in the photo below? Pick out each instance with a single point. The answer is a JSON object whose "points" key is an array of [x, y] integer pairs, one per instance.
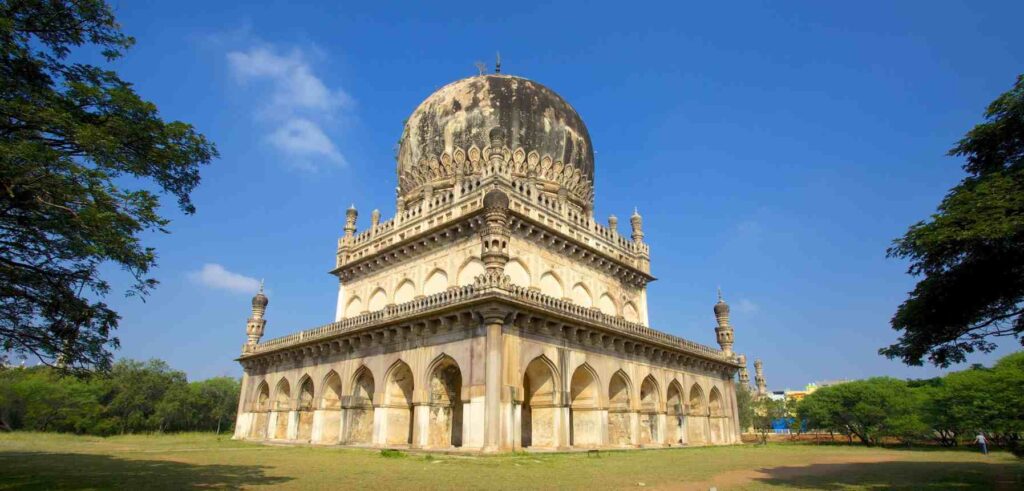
{"points": [[497, 63], [261, 285], [720, 295]]}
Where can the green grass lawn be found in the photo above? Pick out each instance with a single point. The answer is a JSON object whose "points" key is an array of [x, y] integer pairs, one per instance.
{"points": [[46, 461]]}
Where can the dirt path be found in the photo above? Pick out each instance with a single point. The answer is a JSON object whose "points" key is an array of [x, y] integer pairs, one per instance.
{"points": [[824, 466]]}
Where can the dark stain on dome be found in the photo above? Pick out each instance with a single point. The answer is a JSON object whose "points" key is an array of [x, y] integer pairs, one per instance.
{"points": [[463, 113]]}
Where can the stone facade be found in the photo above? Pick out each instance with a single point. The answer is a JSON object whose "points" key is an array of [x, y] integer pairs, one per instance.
{"points": [[492, 313]]}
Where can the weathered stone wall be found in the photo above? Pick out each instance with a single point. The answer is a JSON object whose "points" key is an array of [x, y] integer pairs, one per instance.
{"points": [[430, 393]]}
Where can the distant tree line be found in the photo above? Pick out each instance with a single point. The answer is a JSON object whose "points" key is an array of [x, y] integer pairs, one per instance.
{"points": [[949, 410], [133, 397]]}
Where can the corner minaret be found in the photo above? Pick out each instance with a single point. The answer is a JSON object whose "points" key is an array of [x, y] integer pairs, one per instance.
{"points": [[724, 330], [762, 386], [254, 327], [744, 375], [638, 223]]}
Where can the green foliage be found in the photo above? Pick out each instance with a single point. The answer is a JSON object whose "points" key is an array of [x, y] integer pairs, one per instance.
{"points": [[765, 412], [971, 252], [950, 409], [745, 406], [388, 453], [133, 397], [867, 409], [74, 139]]}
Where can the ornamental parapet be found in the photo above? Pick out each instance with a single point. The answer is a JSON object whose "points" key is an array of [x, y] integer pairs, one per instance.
{"points": [[489, 288], [458, 194]]}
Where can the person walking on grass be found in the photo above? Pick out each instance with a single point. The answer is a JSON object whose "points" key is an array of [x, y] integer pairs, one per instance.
{"points": [[980, 440]]}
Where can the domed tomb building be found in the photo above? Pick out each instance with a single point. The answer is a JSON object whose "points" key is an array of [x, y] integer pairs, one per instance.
{"points": [[492, 312]]}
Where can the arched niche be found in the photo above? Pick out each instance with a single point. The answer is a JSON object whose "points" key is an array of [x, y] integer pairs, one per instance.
{"points": [[437, 282], [630, 313], [619, 407], [469, 271], [649, 402], [445, 418], [378, 300], [405, 292], [305, 408], [606, 305], [330, 404], [538, 408], [282, 405], [581, 296], [398, 400], [551, 286], [674, 404], [584, 418], [354, 307], [359, 428], [518, 273]]}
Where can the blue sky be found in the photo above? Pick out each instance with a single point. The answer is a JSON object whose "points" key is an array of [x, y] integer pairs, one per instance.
{"points": [[773, 149]]}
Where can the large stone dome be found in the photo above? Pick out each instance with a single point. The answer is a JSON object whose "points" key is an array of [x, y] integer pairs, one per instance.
{"points": [[537, 131]]}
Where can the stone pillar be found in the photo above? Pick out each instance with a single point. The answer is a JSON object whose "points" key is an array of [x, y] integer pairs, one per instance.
{"points": [[562, 422], [380, 422], [494, 320], [420, 425], [634, 428], [293, 425]]}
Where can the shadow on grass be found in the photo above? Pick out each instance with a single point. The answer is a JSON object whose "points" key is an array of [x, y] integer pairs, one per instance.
{"points": [[33, 470], [898, 475]]}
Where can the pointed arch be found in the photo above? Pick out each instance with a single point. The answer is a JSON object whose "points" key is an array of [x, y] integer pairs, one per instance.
{"points": [[674, 405], [330, 397], [630, 313], [698, 406], [304, 405], [581, 296], [378, 299], [437, 282], [620, 427], [650, 394], [551, 285], [518, 273], [584, 398], [359, 425], [261, 406], [620, 390], [354, 307], [398, 392], [362, 385], [405, 292], [444, 379], [470, 269], [282, 395], [585, 387], [607, 305], [304, 400], [537, 416], [674, 402], [262, 399], [715, 405]]}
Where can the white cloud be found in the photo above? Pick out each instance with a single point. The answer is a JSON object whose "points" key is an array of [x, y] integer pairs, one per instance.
{"points": [[304, 139], [215, 276], [297, 103], [746, 306]]}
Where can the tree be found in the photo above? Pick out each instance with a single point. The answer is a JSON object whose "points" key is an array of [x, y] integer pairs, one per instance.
{"points": [[78, 150], [745, 406], [766, 412], [218, 398], [971, 252], [868, 409], [136, 391]]}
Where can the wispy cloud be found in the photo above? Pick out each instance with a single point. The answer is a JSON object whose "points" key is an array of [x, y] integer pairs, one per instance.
{"points": [[216, 276], [746, 306], [297, 103]]}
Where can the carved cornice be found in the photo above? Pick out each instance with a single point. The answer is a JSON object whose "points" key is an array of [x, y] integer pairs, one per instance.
{"points": [[533, 312], [444, 171]]}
